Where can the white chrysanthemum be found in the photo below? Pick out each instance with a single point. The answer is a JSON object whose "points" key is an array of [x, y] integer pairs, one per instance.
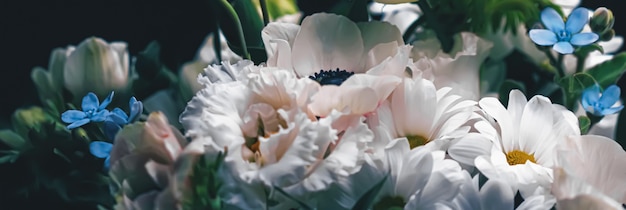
{"points": [[327, 42], [271, 140], [591, 174], [524, 139], [422, 115]]}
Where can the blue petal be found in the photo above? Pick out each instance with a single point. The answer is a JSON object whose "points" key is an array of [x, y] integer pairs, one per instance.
{"points": [[90, 102], [100, 149], [612, 110], [107, 101], [110, 129], [100, 116], [552, 20], [118, 116], [71, 116], [590, 96], [78, 124], [577, 20], [107, 163], [543, 37], [563, 47], [609, 96], [135, 110], [582, 39]]}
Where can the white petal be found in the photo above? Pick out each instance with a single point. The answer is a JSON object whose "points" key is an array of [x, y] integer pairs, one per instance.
{"points": [[327, 42], [496, 194], [470, 147]]}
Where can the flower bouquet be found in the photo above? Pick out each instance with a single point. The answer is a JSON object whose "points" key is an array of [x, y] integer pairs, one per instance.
{"points": [[388, 104]]}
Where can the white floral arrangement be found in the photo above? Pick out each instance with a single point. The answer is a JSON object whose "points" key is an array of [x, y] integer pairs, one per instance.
{"points": [[365, 105]]}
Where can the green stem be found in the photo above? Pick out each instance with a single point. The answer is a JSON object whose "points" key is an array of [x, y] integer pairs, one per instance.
{"points": [[554, 62], [266, 18], [217, 45], [580, 63], [560, 65]]}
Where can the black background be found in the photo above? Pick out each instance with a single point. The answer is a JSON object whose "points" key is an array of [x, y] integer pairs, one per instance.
{"points": [[30, 29]]}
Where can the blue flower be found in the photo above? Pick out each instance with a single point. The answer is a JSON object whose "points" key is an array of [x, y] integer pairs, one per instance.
{"points": [[600, 104], [101, 149], [93, 111], [563, 35], [118, 118]]}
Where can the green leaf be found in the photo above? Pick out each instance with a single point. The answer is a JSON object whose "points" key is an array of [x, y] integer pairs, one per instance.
{"points": [[12, 139], [576, 83], [367, 200], [585, 123], [608, 72], [302, 204], [9, 156], [506, 88], [583, 51]]}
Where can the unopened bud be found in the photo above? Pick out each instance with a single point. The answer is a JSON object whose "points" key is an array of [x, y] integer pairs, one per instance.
{"points": [[608, 35], [602, 20]]}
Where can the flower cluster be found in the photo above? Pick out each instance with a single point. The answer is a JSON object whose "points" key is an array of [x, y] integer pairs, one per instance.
{"points": [[349, 109]]}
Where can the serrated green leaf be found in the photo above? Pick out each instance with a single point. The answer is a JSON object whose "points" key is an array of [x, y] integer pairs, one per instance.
{"points": [[585, 123], [506, 88], [367, 200], [12, 139], [608, 72]]}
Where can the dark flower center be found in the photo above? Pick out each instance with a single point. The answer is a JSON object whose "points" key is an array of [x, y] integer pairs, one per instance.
{"points": [[564, 35], [331, 77]]}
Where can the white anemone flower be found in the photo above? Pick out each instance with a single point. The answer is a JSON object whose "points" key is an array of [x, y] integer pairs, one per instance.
{"points": [[329, 48], [591, 174], [525, 137], [270, 140]]}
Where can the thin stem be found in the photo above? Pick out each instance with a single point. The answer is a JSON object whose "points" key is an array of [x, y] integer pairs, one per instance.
{"points": [[231, 12], [560, 65], [580, 63], [217, 45], [266, 18], [559, 73]]}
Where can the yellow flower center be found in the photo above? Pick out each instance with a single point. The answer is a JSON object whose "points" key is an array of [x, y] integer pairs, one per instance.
{"points": [[519, 157], [416, 140]]}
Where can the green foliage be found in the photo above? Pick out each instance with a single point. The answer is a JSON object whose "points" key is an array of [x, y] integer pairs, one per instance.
{"points": [[585, 123], [367, 200], [52, 166], [205, 184], [608, 72], [487, 15]]}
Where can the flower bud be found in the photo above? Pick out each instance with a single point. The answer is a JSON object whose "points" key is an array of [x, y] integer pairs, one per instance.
{"points": [[608, 35], [27, 119], [602, 20], [97, 66]]}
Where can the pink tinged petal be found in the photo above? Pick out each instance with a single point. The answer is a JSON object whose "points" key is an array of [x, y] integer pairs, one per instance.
{"points": [[577, 20], [552, 20], [71, 116], [469, 147], [543, 37], [536, 126], [327, 42], [563, 47], [159, 173], [276, 32], [582, 39], [496, 194]]}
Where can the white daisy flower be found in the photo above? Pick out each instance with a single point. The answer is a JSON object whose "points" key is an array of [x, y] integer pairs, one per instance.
{"points": [[591, 174], [525, 137], [329, 48], [422, 115]]}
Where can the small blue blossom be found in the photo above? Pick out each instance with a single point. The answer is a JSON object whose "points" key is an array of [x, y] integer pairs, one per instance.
{"points": [[600, 104], [92, 111], [101, 149], [563, 35], [118, 118]]}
